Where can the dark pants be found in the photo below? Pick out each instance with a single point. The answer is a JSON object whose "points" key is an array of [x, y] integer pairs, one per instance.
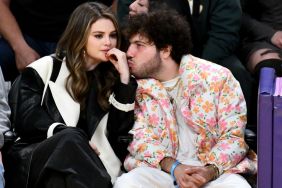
{"points": [[7, 55], [65, 160]]}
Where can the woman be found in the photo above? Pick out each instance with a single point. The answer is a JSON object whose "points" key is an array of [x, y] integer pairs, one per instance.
{"points": [[62, 104]]}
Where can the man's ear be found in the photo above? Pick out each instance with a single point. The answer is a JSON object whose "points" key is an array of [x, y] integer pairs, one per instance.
{"points": [[166, 52]]}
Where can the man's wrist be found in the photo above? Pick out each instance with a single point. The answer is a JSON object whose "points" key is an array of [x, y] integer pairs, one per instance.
{"points": [[172, 168], [169, 165], [166, 164], [214, 169]]}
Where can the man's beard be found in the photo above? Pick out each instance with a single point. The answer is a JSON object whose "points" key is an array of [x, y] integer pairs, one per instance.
{"points": [[149, 69]]}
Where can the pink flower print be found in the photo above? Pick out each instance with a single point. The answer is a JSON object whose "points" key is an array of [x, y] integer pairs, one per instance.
{"points": [[224, 158], [211, 122], [224, 146], [205, 68], [201, 115], [229, 108], [196, 77], [153, 119], [214, 78], [165, 103], [139, 134], [144, 108], [237, 158], [223, 124]]}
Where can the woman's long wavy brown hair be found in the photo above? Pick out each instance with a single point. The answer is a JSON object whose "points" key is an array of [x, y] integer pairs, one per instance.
{"points": [[72, 46]]}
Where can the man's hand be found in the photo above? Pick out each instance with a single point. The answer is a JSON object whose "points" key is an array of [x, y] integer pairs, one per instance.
{"points": [[193, 176], [277, 39], [25, 55], [189, 176]]}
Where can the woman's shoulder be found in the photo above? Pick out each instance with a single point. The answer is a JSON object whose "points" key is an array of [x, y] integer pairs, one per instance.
{"points": [[42, 66]]}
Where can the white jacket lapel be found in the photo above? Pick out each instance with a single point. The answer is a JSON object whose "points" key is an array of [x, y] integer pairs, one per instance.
{"points": [[68, 108]]}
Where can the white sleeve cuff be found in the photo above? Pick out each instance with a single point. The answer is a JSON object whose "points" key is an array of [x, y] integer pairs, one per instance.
{"points": [[51, 129], [120, 106]]}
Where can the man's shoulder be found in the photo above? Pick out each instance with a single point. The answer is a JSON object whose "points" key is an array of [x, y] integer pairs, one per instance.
{"points": [[199, 70], [196, 64]]}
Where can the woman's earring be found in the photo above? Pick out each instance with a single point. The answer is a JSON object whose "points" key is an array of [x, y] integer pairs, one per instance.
{"points": [[84, 53]]}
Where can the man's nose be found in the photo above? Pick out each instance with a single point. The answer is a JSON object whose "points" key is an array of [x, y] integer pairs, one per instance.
{"points": [[130, 51], [132, 7]]}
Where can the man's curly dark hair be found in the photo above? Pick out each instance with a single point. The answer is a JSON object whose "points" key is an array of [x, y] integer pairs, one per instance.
{"points": [[163, 28]]}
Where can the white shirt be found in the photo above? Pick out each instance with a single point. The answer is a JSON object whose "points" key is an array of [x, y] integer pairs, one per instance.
{"points": [[186, 136]]}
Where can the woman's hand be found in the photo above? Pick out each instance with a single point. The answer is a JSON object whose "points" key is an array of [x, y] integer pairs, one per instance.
{"points": [[119, 60], [93, 146]]}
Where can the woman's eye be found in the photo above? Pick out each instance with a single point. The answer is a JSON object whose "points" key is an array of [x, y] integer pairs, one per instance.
{"points": [[98, 36], [113, 35]]}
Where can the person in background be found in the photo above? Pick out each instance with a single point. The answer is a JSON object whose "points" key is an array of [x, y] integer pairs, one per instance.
{"points": [[74, 110], [30, 30], [261, 32], [123, 9], [190, 113], [4, 122], [215, 26]]}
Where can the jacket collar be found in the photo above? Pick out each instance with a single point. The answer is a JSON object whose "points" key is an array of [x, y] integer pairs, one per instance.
{"points": [[67, 107]]}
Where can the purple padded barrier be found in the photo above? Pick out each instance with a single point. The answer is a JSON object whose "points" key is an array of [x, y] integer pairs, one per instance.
{"points": [[277, 134], [265, 106]]}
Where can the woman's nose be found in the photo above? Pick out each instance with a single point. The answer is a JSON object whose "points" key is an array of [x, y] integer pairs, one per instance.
{"points": [[107, 41]]}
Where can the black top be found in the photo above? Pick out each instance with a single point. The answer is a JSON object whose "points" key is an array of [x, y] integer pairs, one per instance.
{"points": [[45, 19], [261, 19]]}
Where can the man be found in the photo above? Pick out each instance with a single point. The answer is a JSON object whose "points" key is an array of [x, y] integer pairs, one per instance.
{"points": [[4, 121], [215, 26], [190, 113], [30, 29]]}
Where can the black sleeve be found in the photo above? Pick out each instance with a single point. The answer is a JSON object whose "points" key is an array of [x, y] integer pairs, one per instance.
{"points": [[223, 34], [32, 120], [252, 28], [120, 122]]}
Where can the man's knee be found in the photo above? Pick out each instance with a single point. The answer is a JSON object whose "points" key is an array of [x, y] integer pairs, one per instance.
{"points": [[126, 180], [230, 181], [143, 177]]}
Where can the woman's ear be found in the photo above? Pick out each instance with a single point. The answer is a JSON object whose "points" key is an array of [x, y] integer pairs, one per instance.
{"points": [[166, 52]]}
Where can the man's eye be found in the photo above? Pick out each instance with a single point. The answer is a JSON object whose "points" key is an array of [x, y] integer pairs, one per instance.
{"points": [[139, 46]]}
